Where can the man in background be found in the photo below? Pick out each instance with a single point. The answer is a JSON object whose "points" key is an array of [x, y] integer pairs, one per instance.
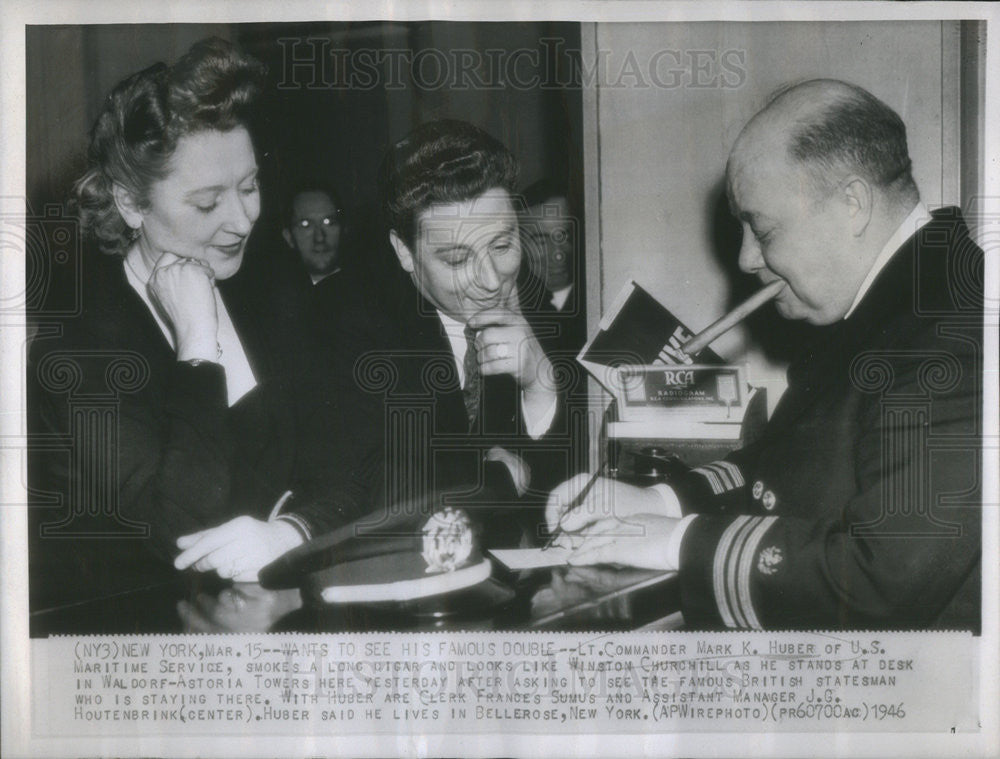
{"points": [[313, 230], [550, 235], [328, 282]]}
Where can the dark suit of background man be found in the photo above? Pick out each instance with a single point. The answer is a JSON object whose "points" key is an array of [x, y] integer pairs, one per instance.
{"points": [[551, 235], [472, 402], [323, 271], [860, 506]]}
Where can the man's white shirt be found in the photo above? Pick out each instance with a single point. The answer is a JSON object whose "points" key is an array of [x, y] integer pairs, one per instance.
{"points": [[560, 296], [455, 330], [918, 218]]}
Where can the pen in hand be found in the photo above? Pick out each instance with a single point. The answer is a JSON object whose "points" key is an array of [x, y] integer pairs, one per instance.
{"points": [[573, 505]]}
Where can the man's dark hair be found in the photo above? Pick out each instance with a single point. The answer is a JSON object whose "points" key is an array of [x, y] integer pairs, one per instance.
{"points": [[310, 185], [852, 130], [538, 192], [443, 161]]}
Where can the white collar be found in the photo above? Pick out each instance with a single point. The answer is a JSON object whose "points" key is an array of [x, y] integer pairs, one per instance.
{"points": [[137, 272], [455, 331], [317, 278], [917, 219], [450, 324], [560, 296]]}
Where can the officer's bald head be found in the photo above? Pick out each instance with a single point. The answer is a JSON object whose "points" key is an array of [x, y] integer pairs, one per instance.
{"points": [[820, 180], [832, 129]]}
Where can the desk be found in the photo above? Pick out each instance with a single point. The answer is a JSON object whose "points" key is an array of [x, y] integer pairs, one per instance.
{"points": [[565, 598]]}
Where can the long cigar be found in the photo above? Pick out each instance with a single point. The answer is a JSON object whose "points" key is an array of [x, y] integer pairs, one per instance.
{"points": [[734, 317]]}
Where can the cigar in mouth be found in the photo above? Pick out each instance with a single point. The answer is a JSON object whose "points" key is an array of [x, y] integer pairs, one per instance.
{"points": [[700, 341]]}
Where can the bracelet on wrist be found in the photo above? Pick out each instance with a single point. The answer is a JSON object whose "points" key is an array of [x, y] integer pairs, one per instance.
{"points": [[200, 361]]}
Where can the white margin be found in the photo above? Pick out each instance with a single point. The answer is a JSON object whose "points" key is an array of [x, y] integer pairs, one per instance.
{"points": [[14, 664]]}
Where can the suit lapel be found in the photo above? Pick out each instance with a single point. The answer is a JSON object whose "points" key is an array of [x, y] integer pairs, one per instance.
{"points": [[829, 355], [426, 337], [431, 369], [125, 309]]}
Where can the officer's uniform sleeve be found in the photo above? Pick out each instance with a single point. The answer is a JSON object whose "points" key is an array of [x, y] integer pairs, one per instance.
{"points": [[895, 552]]}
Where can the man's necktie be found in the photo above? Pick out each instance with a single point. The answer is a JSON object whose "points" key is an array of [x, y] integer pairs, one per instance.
{"points": [[473, 379]]}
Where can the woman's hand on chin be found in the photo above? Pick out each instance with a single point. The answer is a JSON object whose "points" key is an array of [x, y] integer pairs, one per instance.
{"points": [[237, 549], [182, 290]]}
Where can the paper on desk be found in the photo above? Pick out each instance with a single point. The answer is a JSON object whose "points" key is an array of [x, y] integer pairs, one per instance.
{"points": [[533, 558]]}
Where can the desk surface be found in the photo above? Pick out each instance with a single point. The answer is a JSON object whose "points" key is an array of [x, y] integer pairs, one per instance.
{"points": [[577, 598]]}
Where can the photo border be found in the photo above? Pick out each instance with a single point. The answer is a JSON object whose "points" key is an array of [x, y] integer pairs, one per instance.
{"points": [[15, 664]]}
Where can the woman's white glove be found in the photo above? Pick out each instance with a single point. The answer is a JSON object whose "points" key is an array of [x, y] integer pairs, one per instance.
{"points": [[238, 548]]}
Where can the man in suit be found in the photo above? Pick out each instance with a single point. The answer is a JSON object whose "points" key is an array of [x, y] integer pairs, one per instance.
{"points": [[327, 279], [472, 401], [550, 235], [860, 506]]}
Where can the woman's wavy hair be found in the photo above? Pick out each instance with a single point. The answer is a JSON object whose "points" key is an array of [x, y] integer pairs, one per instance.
{"points": [[214, 86]]}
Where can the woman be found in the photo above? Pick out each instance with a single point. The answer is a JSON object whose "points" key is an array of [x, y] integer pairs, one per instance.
{"points": [[205, 443]]}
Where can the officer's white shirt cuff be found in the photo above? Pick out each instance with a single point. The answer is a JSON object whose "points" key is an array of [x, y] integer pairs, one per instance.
{"points": [[672, 508], [296, 521], [539, 426]]}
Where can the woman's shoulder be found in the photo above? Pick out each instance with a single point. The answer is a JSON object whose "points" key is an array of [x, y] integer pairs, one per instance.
{"points": [[98, 312], [108, 305]]}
